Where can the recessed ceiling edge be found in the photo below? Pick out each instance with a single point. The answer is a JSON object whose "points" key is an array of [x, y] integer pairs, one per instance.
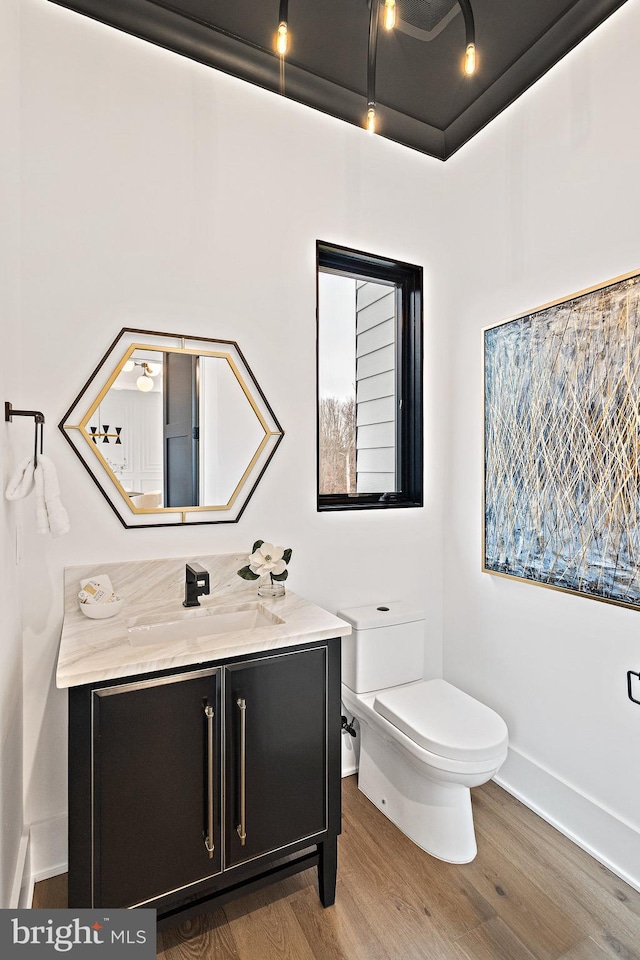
{"points": [[165, 27]]}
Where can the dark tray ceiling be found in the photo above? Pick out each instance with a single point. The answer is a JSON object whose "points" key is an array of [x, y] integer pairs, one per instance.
{"points": [[424, 101]]}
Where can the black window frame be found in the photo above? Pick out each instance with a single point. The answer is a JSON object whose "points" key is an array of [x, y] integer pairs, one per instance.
{"points": [[409, 366]]}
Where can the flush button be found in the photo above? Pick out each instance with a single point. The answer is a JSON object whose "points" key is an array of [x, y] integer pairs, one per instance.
{"points": [[383, 609]]}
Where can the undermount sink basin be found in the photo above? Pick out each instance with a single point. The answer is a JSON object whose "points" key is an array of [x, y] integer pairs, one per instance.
{"points": [[201, 622]]}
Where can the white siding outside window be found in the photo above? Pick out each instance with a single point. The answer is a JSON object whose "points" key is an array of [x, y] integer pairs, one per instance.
{"points": [[375, 387]]}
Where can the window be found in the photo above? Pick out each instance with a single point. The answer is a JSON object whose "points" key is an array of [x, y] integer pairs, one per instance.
{"points": [[369, 381]]}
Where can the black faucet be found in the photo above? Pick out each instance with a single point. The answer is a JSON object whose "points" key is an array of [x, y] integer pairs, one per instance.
{"points": [[196, 583]]}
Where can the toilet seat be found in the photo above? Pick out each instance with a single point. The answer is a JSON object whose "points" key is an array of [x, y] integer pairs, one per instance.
{"points": [[444, 720]]}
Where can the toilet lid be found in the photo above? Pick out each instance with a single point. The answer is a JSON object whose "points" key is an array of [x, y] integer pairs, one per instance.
{"points": [[444, 720]]}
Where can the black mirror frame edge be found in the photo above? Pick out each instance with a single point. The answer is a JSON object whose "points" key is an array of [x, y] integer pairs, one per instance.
{"points": [[178, 336], [409, 435]]}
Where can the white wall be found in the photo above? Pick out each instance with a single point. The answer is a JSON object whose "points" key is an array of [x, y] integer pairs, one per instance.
{"points": [[160, 194], [544, 203], [11, 435]]}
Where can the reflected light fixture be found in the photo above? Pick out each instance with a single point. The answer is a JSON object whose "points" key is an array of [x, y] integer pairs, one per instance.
{"points": [[144, 382], [385, 10], [96, 434]]}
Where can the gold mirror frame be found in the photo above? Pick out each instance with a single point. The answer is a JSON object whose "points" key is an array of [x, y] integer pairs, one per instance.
{"points": [[75, 427]]}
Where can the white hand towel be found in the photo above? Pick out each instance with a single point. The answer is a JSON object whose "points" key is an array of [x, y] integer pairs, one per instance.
{"points": [[42, 517], [51, 516], [21, 483]]}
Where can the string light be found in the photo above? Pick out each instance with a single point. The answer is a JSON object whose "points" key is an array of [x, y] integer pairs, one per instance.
{"points": [[282, 39], [282, 36], [371, 119], [470, 59], [389, 11], [389, 14]]}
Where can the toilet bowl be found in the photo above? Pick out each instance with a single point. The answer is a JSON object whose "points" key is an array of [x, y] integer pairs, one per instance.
{"points": [[423, 742]]}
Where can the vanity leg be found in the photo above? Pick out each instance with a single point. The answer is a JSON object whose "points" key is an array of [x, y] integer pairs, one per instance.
{"points": [[327, 870]]}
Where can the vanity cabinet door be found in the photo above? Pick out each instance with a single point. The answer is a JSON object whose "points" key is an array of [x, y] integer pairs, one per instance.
{"points": [[156, 784], [276, 749]]}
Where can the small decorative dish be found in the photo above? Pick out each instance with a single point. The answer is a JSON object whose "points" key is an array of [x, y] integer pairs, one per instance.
{"points": [[102, 611]]}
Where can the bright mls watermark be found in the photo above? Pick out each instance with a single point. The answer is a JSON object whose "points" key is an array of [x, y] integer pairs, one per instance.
{"points": [[81, 934]]}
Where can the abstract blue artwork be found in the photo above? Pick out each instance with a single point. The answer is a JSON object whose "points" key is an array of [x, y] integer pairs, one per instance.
{"points": [[562, 445]]}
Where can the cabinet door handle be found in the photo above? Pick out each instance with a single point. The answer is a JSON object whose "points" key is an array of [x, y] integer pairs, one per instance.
{"points": [[242, 826], [208, 842]]}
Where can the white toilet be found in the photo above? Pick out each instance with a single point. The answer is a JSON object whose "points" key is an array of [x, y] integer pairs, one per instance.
{"points": [[423, 742]]}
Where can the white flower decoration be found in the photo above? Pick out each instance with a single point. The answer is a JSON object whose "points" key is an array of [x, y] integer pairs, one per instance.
{"points": [[267, 559]]}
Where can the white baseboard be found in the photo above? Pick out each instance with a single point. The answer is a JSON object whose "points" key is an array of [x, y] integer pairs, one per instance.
{"points": [[606, 837], [47, 850]]}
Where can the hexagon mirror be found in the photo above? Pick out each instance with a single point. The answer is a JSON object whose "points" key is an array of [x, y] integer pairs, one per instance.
{"points": [[173, 429]]}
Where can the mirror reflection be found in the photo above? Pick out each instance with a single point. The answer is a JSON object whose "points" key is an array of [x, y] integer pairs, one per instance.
{"points": [[176, 430]]}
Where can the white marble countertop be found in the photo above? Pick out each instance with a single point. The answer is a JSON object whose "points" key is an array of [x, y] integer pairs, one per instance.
{"points": [[153, 591]]}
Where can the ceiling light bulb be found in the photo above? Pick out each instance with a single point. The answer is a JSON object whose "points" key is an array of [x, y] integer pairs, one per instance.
{"points": [[128, 366], [371, 119], [144, 383], [389, 14], [282, 38], [470, 59], [152, 369]]}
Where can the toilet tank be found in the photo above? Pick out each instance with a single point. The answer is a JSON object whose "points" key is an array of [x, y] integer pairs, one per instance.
{"points": [[386, 648]]}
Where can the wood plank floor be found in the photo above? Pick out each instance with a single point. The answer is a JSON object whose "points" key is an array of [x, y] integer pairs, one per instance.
{"points": [[530, 894]]}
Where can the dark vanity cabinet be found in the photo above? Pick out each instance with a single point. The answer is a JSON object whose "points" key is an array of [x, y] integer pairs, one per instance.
{"points": [[190, 787]]}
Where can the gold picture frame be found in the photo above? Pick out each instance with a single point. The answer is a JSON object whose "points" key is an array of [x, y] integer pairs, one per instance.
{"points": [[561, 500]]}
